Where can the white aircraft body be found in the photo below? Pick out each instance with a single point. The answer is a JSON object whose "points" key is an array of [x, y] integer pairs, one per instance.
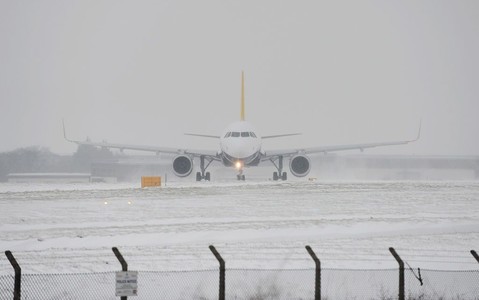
{"points": [[240, 147]]}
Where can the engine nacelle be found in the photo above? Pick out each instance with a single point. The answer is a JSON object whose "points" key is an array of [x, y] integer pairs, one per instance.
{"points": [[182, 165], [299, 165]]}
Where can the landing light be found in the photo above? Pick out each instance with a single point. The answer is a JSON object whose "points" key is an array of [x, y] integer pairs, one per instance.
{"points": [[238, 165]]}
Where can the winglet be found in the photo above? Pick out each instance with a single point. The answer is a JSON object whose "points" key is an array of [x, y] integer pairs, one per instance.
{"points": [[65, 132], [418, 132], [242, 96]]}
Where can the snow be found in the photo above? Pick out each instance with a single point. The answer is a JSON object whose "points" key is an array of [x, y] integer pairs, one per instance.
{"points": [[71, 228]]}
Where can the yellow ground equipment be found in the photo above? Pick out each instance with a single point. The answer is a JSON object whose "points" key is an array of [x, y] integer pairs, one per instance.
{"points": [[147, 181]]}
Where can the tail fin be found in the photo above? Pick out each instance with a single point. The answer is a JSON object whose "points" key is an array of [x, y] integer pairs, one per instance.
{"points": [[242, 96]]}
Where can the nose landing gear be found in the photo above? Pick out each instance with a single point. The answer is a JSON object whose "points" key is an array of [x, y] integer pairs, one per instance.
{"points": [[239, 165], [240, 175]]}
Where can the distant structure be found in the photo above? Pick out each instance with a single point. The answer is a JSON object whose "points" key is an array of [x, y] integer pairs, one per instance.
{"points": [[330, 166], [49, 177], [399, 167]]}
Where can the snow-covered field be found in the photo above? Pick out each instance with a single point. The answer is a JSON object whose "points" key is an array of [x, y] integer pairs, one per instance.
{"points": [[71, 228]]}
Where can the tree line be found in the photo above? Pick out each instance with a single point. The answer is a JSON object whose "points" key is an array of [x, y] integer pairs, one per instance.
{"points": [[42, 160]]}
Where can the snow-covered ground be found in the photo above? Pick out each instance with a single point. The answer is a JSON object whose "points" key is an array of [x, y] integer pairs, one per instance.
{"points": [[71, 228]]}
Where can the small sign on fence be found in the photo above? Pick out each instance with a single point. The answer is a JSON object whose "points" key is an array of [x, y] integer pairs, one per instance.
{"points": [[126, 283]]}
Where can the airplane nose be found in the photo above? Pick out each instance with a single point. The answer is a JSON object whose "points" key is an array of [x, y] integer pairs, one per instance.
{"points": [[242, 153], [239, 148]]}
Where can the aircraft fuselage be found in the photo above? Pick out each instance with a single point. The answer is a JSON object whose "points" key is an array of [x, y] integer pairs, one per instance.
{"points": [[240, 145]]}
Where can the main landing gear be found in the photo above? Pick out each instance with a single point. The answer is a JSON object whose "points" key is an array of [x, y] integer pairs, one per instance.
{"points": [[206, 176], [203, 174], [276, 176], [280, 174]]}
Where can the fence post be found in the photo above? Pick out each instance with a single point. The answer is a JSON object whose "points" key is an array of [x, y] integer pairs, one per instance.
{"points": [[124, 265], [18, 275], [317, 280], [222, 272], [474, 253], [401, 272]]}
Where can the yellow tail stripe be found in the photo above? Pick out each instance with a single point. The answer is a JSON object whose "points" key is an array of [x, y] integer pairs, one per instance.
{"points": [[242, 96]]}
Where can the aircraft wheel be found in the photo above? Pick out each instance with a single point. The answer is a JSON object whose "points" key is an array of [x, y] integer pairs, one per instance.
{"points": [[207, 176], [275, 176], [198, 176], [243, 177], [284, 177]]}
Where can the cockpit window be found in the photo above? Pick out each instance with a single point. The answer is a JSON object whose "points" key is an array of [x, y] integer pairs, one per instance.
{"points": [[235, 134], [245, 134], [252, 134], [228, 134]]}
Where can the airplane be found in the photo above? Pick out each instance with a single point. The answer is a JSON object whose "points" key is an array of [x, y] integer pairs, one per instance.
{"points": [[240, 146]]}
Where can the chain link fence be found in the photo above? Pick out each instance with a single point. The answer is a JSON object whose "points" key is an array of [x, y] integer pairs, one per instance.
{"points": [[247, 284]]}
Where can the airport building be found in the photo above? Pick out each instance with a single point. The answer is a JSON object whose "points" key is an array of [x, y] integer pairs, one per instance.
{"points": [[400, 167], [49, 177], [323, 167]]}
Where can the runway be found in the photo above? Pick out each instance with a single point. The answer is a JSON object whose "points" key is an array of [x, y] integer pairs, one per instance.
{"points": [[257, 224]]}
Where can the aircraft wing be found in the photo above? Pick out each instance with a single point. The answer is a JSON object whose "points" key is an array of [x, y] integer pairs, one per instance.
{"points": [[158, 150], [325, 149], [279, 135]]}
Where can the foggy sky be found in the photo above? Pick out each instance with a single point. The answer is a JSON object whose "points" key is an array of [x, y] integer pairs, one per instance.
{"points": [[145, 72]]}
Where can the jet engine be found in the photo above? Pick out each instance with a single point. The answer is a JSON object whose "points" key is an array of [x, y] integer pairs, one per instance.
{"points": [[299, 165], [182, 165]]}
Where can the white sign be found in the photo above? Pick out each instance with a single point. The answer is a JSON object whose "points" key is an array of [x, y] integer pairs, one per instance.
{"points": [[126, 283]]}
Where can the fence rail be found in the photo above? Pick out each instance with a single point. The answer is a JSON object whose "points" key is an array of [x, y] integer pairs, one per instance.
{"points": [[250, 284]]}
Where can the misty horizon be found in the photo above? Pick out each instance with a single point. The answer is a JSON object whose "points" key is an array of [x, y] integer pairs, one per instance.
{"points": [[145, 73]]}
